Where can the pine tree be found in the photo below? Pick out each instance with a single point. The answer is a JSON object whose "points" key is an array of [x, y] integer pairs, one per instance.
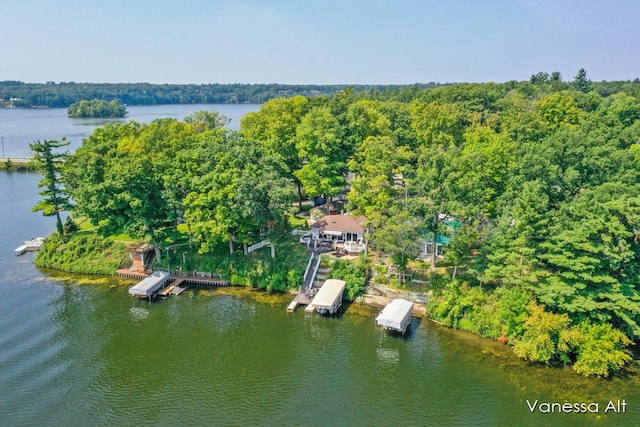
{"points": [[55, 199], [581, 82]]}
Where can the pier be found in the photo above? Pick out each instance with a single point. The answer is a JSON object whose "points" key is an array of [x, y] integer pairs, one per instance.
{"points": [[170, 284], [173, 289]]}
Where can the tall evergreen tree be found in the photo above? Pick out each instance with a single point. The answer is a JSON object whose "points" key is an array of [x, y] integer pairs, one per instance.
{"points": [[55, 198], [581, 82]]}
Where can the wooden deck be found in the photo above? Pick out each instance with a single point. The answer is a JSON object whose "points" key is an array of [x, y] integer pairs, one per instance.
{"points": [[177, 279], [133, 274], [174, 288], [302, 298], [204, 281]]}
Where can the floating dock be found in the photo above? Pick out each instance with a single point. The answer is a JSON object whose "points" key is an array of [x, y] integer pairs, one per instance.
{"points": [[173, 289], [30, 246], [329, 297], [396, 315]]}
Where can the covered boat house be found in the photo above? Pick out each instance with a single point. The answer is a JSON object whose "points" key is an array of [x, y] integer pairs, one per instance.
{"points": [[396, 315], [150, 285], [329, 297]]}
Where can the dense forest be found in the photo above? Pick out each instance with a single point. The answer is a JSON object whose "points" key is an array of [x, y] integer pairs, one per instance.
{"points": [[542, 178], [61, 95]]}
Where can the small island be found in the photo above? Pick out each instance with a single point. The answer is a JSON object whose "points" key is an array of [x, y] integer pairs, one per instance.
{"points": [[96, 108]]}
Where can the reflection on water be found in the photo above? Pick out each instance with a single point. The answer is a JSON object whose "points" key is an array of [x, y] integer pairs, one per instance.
{"points": [[139, 313], [388, 355]]}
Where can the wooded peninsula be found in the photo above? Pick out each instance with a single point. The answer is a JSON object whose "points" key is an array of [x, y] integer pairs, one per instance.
{"points": [[531, 189]]}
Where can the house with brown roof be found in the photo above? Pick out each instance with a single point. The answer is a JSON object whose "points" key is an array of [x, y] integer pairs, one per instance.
{"points": [[340, 228], [344, 231]]}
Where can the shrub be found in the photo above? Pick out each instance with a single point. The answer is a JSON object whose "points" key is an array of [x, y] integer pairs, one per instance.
{"points": [[354, 274], [598, 349]]}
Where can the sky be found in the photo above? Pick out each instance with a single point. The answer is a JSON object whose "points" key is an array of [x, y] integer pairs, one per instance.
{"points": [[316, 41]]}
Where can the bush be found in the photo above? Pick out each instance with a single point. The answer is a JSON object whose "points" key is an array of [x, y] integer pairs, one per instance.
{"points": [[541, 339], [598, 349], [471, 309], [354, 274]]}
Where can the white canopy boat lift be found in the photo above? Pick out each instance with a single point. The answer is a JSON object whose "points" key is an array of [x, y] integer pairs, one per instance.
{"points": [[150, 285], [329, 297], [396, 315]]}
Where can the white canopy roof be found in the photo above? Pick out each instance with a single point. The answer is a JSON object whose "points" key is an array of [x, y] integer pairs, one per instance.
{"points": [[395, 314], [329, 293], [150, 284]]}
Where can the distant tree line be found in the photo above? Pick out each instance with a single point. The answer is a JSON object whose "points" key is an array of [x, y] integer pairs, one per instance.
{"points": [[62, 95]]}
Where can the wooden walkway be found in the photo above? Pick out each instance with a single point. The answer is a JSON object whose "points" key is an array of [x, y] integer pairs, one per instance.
{"points": [[133, 274], [176, 280]]}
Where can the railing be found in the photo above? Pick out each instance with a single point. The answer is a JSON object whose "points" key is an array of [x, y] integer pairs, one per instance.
{"points": [[257, 246], [308, 279], [306, 271], [315, 271], [354, 247]]}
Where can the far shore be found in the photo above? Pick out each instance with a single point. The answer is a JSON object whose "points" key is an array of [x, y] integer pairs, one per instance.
{"points": [[17, 164]]}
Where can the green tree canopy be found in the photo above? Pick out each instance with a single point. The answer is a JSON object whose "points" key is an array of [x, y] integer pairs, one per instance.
{"points": [[96, 108]]}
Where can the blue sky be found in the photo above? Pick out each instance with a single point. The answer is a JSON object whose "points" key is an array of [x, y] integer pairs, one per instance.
{"points": [[316, 41]]}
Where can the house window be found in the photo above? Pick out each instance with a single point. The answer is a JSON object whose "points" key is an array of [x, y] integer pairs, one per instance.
{"points": [[427, 248]]}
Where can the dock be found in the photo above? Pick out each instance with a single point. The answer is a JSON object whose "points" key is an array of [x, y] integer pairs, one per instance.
{"points": [[312, 281], [302, 298], [165, 284], [173, 289], [30, 246]]}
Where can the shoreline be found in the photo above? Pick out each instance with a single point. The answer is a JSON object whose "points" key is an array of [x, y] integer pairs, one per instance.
{"points": [[17, 164]]}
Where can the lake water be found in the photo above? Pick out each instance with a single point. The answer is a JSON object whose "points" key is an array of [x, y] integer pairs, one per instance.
{"points": [[76, 353], [19, 127]]}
